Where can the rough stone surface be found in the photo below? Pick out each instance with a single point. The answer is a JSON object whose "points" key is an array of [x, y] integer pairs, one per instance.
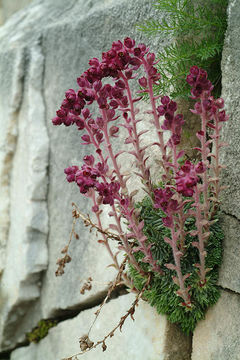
{"points": [[229, 275], [217, 337], [230, 93], [7, 8], [26, 186], [138, 340], [10, 102]]}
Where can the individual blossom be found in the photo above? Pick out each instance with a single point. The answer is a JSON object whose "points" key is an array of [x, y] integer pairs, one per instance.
{"points": [[171, 122], [200, 168], [162, 197], [71, 173], [108, 191], [187, 179], [199, 82], [86, 177]]}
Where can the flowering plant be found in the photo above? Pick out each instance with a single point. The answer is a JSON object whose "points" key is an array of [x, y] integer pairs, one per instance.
{"points": [[172, 243]]}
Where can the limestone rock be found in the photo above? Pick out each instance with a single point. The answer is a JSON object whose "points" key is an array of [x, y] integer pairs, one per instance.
{"points": [[8, 8], [10, 101], [230, 93], [144, 339], [229, 273], [217, 337], [26, 158]]}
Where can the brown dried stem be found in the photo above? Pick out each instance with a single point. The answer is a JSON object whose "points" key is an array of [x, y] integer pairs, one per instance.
{"points": [[102, 342], [88, 222]]}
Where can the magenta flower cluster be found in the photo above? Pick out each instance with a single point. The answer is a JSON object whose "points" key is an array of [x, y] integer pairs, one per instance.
{"points": [[87, 178], [103, 180], [187, 179], [171, 122], [163, 200], [199, 82], [120, 59]]}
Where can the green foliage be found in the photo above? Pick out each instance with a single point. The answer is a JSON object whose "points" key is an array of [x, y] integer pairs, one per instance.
{"points": [[162, 292], [198, 28], [41, 330]]}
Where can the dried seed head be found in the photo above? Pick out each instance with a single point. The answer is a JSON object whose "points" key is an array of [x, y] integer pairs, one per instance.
{"points": [[85, 343], [64, 250]]}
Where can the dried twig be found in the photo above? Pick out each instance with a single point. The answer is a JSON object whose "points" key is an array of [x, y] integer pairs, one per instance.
{"points": [[88, 222], [85, 338], [61, 262]]}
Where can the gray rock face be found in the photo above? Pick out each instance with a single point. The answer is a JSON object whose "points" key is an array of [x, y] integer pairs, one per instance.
{"points": [[7, 8], [230, 93], [10, 102], [25, 191], [229, 276], [217, 337], [137, 340], [229, 273]]}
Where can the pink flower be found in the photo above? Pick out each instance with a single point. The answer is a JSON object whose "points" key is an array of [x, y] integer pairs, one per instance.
{"points": [[186, 179], [109, 191], [197, 79], [71, 173]]}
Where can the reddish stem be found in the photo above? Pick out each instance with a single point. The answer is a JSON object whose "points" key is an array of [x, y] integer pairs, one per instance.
{"points": [[109, 149], [139, 152], [216, 167], [200, 229], [177, 256], [156, 119], [204, 158], [126, 244], [106, 243]]}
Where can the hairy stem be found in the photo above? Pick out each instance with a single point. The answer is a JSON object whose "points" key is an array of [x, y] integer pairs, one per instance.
{"points": [[126, 245], [200, 229], [204, 149], [177, 256], [156, 119], [110, 152], [139, 152]]}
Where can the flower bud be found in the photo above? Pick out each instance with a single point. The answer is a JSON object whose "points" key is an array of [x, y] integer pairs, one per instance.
{"points": [[113, 130], [80, 124], [70, 95], [150, 58], [165, 100], [143, 82], [219, 103], [89, 160], [200, 168], [222, 116], [85, 113], [129, 43], [86, 138], [194, 70], [161, 110], [128, 73], [97, 85], [57, 121]]}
